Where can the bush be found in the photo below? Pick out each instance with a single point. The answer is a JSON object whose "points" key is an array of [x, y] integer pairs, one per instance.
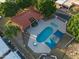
{"points": [[8, 9], [23, 3], [73, 26], [47, 8], [11, 31]]}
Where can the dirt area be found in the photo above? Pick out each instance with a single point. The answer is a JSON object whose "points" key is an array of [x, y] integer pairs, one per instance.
{"points": [[73, 51]]}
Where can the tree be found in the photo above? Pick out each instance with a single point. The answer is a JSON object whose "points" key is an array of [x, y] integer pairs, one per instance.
{"points": [[24, 3], [1, 9], [73, 26], [8, 9], [10, 0], [46, 7], [11, 31]]}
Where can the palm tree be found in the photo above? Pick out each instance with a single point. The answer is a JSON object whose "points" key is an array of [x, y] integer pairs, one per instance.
{"points": [[11, 31]]}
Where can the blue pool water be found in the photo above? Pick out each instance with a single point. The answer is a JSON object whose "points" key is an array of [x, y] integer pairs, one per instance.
{"points": [[44, 34], [51, 43]]}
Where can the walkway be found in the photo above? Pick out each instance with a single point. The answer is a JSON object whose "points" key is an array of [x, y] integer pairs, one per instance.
{"points": [[19, 44]]}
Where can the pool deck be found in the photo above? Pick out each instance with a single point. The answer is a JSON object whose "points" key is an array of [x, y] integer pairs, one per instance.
{"points": [[39, 48], [43, 24], [55, 23]]}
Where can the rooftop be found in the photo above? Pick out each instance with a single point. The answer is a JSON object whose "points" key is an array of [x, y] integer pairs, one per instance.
{"points": [[76, 2], [68, 3], [2, 1], [3, 47], [60, 1], [23, 18], [7, 53], [12, 55]]}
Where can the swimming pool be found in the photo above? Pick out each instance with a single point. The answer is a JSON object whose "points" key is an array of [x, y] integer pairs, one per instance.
{"points": [[44, 34]]}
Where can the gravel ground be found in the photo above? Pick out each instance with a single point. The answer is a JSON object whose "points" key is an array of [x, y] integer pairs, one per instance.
{"points": [[73, 51]]}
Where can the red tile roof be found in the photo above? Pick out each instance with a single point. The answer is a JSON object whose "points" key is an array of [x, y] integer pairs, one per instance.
{"points": [[23, 18]]}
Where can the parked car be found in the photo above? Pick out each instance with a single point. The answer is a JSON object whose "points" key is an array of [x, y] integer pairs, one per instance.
{"points": [[46, 56]]}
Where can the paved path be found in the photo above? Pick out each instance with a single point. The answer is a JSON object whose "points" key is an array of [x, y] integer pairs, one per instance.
{"points": [[22, 49]]}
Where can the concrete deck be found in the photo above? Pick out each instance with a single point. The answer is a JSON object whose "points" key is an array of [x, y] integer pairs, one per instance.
{"points": [[43, 24], [39, 48], [55, 23]]}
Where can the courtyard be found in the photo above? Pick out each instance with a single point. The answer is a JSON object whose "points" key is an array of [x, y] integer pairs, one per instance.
{"points": [[45, 46]]}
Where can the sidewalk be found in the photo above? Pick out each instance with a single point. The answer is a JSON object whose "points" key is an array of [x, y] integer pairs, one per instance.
{"points": [[20, 45]]}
